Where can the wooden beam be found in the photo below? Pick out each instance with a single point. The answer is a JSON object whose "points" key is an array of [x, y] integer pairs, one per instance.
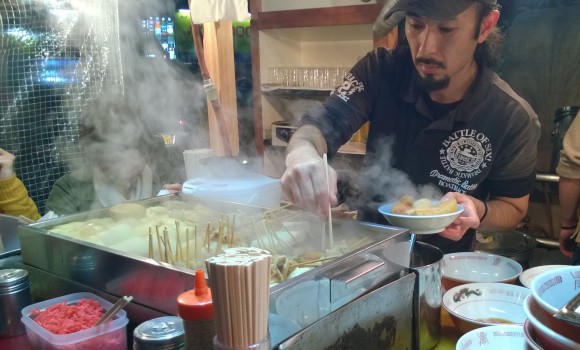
{"points": [[326, 16], [219, 57]]}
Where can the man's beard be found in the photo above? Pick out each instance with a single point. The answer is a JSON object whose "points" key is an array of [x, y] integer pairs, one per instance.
{"points": [[430, 84]]}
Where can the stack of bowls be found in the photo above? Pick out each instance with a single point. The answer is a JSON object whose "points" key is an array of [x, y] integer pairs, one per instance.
{"points": [[550, 291], [483, 301]]}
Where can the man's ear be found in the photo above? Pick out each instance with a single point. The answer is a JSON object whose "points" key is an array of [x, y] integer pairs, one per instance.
{"points": [[487, 26]]}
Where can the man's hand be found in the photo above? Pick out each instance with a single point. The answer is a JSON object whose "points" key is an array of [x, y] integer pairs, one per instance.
{"points": [[304, 181], [567, 244], [467, 219], [172, 188], [6, 164]]}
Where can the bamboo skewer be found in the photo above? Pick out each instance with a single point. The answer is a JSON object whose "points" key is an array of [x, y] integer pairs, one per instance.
{"points": [[158, 243], [168, 252], [195, 244], [150, 243], [187, 261], [178, 251], [330, 235], [305, 263]]}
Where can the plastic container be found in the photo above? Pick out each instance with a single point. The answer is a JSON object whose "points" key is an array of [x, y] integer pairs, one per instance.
{"points": [[254, 189], [111, 335]]}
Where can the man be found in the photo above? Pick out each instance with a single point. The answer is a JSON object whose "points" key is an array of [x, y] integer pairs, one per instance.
{"points": [[569, 192], [449, 120], [14, 199]]}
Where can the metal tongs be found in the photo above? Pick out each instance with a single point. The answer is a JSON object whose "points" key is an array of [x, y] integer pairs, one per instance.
{"points": [[121, 303], [569, 312]]}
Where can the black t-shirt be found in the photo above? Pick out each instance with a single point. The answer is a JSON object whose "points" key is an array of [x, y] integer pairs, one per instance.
{"points": [[484, 146]]}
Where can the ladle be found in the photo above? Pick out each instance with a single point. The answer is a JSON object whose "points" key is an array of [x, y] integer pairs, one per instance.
{"points": [[569, 312]]}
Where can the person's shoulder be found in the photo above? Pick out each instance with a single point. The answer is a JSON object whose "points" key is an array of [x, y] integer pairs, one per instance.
{"points": [[503, 89], [73, 180]]}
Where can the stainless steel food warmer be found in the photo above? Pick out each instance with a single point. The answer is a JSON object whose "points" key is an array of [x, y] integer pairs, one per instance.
{"points": [[370, 285]]}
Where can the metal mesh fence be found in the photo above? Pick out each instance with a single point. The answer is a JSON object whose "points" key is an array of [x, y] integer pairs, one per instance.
{"points": [[55, 56]]}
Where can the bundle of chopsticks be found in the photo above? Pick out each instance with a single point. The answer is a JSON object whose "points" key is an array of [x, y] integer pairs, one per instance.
{"points": [[240, 279]]}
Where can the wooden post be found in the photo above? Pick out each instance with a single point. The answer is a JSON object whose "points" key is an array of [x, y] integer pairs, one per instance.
{"points": [[219, 57]]}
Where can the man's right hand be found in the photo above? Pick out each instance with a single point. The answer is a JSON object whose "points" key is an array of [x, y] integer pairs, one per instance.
{"points": [[567, 244], [6, 164], [304, 180]]}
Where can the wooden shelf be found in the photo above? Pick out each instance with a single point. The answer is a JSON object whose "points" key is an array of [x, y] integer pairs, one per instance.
{"points": [[272, 90], [334, 35]]}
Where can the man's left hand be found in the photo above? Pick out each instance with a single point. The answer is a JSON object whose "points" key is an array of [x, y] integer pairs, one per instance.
{"points": [[468, 218]]}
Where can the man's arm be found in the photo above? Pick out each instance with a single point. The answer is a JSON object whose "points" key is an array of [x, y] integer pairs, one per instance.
{"points": [[503, 213], [569, 193], [304, 179]]}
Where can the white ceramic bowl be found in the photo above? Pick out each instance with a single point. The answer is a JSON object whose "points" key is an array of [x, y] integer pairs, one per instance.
{"points": [[477, 267], [554, 288], [501, 337], [528, 275], [476, 305], [549, 335], [419, 224]]}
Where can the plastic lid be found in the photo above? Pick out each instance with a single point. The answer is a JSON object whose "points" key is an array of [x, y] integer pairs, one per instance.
{"points": [[196, 304]]}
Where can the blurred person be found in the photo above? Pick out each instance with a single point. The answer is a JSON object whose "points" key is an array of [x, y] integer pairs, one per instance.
{"points": [[569, 192], [124, 161], [14, 199], [449, 120]]}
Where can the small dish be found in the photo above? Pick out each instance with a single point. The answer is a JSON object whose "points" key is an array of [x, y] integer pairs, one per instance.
{"points": [[528, 275], [419, 224]]}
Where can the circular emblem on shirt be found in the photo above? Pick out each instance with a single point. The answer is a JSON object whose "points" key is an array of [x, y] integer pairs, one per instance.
{"points": [[465, 154]]}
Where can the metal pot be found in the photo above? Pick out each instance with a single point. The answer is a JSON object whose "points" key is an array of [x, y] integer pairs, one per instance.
{"points": [[513, 244]]}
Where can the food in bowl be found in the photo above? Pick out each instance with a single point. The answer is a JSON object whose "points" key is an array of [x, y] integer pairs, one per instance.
{"points": [[476, 305], [424, 206], [472, 267], [552, 290], [493, 338], [420, 224], [551, 336]]}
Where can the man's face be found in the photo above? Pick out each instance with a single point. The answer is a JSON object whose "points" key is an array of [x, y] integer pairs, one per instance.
{"points": [[442, 50]]}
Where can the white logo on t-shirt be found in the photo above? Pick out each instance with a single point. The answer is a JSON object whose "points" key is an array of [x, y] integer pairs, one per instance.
{"points": [[463, 155], [349, 86]]}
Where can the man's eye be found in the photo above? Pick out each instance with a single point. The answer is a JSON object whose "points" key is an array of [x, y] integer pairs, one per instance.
{"points": [[446, 29], [416, 26]]}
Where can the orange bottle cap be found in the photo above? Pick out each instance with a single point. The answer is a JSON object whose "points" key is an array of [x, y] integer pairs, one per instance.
{"points": [[196, 304]]}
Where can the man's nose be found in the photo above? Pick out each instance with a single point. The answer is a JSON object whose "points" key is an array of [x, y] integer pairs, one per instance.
{"points": [[429, 42]]}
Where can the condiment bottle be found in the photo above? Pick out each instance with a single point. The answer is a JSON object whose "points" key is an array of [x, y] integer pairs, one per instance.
{"points": [[14, 296], [162, 333], [195, 307]]}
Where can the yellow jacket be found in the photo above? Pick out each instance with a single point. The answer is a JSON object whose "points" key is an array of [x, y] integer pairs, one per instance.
{"points": [[14, 199]]}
